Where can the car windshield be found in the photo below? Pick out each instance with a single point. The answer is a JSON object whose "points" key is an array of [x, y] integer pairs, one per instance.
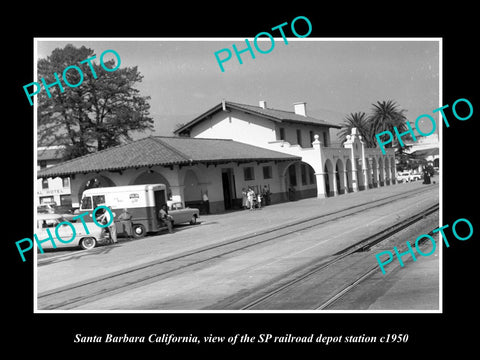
{"points": [[176, 206], [49, 223]]}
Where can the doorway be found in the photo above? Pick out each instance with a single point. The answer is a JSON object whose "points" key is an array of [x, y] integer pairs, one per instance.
{"points": [[228, 184]]}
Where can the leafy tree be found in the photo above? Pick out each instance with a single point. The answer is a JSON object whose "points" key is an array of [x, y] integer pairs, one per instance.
{"points": [[385, 116], [99, 113], [360, 121], [404, 159]]}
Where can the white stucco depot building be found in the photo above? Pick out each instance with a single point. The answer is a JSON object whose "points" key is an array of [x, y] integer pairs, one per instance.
{"points": [[336, 170], [232, 146]]}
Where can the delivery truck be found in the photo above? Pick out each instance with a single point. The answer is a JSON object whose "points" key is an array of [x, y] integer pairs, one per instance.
{"points": [[143, 202]]}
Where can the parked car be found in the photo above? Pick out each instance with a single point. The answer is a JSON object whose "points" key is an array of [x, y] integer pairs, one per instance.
{"points": [[86, 241], [181, 214], [414, 177], [45, 209], [405, 176]]}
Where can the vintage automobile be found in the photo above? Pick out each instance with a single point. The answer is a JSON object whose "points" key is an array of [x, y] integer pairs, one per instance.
{"points": [[415, 176], [45, 209], [406, 176], [403, 176], [86, 241], [181, 214]]}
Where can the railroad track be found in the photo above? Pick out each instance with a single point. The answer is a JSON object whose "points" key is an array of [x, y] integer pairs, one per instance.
{"points": [[335, 264], [74, 295]]}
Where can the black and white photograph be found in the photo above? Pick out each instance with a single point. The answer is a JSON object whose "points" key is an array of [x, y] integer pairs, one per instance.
{"points": [[260, 187], [241, 180]]}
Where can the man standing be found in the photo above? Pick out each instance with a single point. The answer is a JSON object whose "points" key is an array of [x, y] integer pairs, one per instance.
{"points": [[266, 195], [126, 220]]}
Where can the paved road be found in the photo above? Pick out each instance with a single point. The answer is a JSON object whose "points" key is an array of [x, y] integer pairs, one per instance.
{"points": [[203, 287]]}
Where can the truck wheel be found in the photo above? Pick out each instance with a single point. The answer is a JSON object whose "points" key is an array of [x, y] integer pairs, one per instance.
{"points": [[193, 220], [139, 231], [88, 243]]}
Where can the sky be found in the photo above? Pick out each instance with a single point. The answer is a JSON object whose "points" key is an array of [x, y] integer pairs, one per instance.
{"points": [[334, 77]]}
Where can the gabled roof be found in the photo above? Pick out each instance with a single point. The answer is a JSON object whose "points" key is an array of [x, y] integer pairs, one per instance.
{"points": [[164, 151], [271, 114]]}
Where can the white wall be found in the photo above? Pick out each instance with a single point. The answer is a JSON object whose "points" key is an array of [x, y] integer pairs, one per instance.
{"points": [[208, 179], [255, 130], [237, 126], [55, 190], [291, 133]]}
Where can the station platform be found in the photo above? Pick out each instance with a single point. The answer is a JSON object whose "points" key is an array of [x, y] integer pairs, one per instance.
{"points": [[56, 270]]}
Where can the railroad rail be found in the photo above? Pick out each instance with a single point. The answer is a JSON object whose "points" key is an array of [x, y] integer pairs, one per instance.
{"points": [[73, 295], [363, 245]]}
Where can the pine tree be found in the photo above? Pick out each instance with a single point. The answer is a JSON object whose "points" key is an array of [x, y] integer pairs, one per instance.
{"points": [[100, 113]]}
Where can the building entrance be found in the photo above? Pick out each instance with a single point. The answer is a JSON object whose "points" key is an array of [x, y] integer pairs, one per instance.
{"points": [[228, 184]]}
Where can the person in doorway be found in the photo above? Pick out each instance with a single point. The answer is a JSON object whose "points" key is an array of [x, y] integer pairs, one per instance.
{"points": [[266, 195], [206, 202], [105, 218], [126, 221], [165, 218], [259, 200], [291, 193]]}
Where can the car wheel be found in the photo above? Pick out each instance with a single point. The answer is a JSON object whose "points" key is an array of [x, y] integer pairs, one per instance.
{"points": [[88, 243], [193, 220], [139, 231]]}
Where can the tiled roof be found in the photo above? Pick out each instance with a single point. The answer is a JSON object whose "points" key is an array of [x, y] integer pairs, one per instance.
{"points": [[161, 150], [283, 115], [272, 114]]}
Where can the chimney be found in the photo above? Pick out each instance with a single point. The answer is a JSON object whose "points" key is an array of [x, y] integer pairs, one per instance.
{"points": [[300, 108], [262, 104]]}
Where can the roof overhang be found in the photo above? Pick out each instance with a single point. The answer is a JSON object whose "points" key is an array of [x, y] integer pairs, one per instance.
{"points": [[44, 173]]}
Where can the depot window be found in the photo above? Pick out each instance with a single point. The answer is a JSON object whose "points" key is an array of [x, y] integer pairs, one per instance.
{"points": [[299, 137], [248, 173], [267, 172]]}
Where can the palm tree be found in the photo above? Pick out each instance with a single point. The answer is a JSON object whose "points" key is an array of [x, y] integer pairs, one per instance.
{"points": [[385, 116], [361, 121]]}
